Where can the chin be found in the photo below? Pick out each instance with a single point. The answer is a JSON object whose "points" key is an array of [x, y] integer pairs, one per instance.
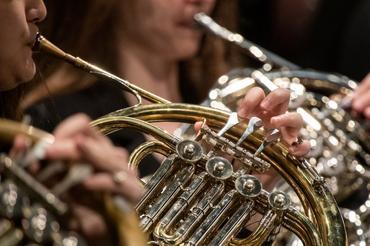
{"points": [[18, 74], [188, 51], [29, 71], [26, 74]]}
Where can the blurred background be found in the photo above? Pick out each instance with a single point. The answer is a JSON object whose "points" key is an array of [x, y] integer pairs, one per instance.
{"points": [[330, 35]]}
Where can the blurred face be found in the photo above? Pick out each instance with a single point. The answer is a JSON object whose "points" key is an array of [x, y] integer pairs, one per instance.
{"points": [[164, 27], [18, 19]]}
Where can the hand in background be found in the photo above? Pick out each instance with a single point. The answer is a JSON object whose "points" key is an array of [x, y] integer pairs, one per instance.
{"points": [[76, 140], [272, 109], [361, 97]]}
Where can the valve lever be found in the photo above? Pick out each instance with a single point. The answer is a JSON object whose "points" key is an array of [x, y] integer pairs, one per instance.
{"points": [[272, 137], [253, 124], [232, 121]]}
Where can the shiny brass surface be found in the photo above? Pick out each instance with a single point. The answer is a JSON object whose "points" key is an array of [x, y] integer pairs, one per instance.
{"points": [[340, 141], [187, 204], [19, 191], [25, 198], [340, 146], [43, 44], [267, 58], [9, 129], [339, 138]]}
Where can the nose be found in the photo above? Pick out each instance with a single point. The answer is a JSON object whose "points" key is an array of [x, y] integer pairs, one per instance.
{"points": [[35, 11]]}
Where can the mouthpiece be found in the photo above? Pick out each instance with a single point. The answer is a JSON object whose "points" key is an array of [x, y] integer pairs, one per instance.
{"points": [[36, 44]]}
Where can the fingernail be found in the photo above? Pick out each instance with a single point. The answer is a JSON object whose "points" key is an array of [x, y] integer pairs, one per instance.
{"points": [[266, 105], [275, 119]]}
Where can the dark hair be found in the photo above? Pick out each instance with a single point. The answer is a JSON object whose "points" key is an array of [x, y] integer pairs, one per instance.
{"points": [[9, 101], [83, 28]]}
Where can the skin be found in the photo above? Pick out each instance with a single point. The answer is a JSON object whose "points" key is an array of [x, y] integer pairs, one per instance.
{"points": [[18, 25], [151, 50], [75, 140], [361, 97], [168, 29], [272, 109]]}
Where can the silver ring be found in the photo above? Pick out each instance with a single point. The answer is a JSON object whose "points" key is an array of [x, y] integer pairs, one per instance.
{"points": [[119, 177]]}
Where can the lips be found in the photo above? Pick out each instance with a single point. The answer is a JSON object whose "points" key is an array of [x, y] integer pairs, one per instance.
{"points": [[187, 19], [31, 42], [191, 24], [32, 38]]}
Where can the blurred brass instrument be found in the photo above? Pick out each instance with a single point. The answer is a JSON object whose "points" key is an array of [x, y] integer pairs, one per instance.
{"points": [[339, 139], [206, 191], [35, 208]]}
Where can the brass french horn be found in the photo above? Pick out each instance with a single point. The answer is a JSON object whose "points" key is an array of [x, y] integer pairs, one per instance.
{"points": [[339, 139], [31, 209], [197, 196]]}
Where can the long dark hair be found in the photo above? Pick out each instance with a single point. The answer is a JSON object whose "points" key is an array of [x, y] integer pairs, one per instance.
{"points": [[9, 101], [83, 28]]}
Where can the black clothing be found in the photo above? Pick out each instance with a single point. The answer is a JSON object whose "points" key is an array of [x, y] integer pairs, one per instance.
{"points": [[95, 101], [337, 41]]}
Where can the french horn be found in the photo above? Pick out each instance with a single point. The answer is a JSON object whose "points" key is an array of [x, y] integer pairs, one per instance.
{"points": [[34, 208], [206, 192], [340, 140]]}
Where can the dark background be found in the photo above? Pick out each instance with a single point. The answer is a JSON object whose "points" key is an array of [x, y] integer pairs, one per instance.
{"points": [[334, 36]]}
